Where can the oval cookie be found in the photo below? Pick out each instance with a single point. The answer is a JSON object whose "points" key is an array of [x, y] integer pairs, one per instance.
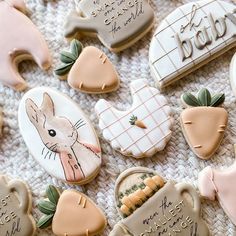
{"points": [[59, 135]]}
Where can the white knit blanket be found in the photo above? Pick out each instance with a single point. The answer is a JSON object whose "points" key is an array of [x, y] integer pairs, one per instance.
{"points": [[176, 162]]}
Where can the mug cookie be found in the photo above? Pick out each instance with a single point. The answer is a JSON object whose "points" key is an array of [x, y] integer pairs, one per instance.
{"points": [[151, 206], [63, 142], [118, 24], [203, 122], [15, 208], [220, 184], [190, 37], [88, 69], [20, 40], [142, 130], [70, 213]]}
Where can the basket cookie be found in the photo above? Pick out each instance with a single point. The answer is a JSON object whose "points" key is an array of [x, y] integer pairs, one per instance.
{"points": [[143, 129], [203, 122], [118, 24], [63, 142], [20, 40], [15, 208], [151, 206], [70, 213], [88, 69], [191, 36]]}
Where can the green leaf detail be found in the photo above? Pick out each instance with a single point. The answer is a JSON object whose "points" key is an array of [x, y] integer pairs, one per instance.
{"points": [[53, 194], [76, 47], [67, 57], [190, 100], [47, 207], [45, 221], [132, 120], [63, 69], [217, 100], [204, 97]]}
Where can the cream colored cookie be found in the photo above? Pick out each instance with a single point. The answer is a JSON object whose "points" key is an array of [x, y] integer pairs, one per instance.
{"points": [[71, 213], [88, 69]]}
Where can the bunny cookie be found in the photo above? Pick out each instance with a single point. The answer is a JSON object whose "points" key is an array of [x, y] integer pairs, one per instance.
{"points": [[64, 143], [20, 40], [117, 23]]}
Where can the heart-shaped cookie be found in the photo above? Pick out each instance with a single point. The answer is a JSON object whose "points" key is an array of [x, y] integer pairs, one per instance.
{"points": [[88, 69], [72, 214]]}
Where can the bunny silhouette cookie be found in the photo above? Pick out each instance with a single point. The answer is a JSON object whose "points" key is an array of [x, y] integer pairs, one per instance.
{"points": [[71, 213], [89, 70], [15, 207], [203, 123], [20, 40], [59, 136], [142, 130], [118, 24], [220, 184], [151, 206]]}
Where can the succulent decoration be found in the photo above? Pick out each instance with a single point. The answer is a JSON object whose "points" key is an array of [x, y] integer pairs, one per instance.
{"points": [[204, 98], [69, 58], [135, 121], [48, 207]]}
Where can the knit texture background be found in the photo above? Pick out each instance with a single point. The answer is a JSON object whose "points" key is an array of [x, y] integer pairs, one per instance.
{"points": [[176, 162]]}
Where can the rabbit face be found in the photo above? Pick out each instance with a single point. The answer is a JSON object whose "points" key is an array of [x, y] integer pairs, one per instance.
{"points": [[57, 133]]}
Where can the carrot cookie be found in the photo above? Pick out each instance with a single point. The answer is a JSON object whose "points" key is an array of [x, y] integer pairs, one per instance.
{"points": [[203, 122], [118, 24], [15, 208], [70, 213], [142, 130], [63, 142], [88, 69], [20, 40], [149, 205], [190, 37]]}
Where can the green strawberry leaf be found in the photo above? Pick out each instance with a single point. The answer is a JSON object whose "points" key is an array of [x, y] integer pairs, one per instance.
{"points": [[190, 100], [45, 221], [63, 69], [47, 207], [52, 194], [67, 57], [76, 47], [204, 97], [217, 100]]}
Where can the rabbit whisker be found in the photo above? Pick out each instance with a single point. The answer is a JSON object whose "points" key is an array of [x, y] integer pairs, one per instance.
{"points": [[51, 147], [55, 156], [79, 121], [78, 127], [42, 151], [50, 155], [46, 155]]}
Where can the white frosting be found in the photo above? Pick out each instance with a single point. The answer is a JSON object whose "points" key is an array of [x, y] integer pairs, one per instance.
{"points": [[64, 107], [165, 58], [151, 108]]}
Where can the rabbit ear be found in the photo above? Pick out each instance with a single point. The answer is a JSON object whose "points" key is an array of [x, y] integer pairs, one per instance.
{"points": [[33, 112], [47, 106]]}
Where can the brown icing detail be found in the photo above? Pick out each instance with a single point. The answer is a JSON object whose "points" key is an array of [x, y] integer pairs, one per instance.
{"points": [[15, 208], [117, 24], [221, 131], [206, 122], [93, 72], [76, 220], [30, 43], [197, 146], [188, 122], [84, 204]]}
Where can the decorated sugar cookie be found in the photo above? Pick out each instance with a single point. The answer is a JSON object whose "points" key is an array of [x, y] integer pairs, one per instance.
{"points": [[220, 184], [143, 129], [118, 24], [70, 213], [191, 36], [15, 208], [203, 122], [59, 135], [88, 69], [20, 40], [151, 206]]}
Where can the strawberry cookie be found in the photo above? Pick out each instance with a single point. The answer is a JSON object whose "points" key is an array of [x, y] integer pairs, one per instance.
{"points": [[88, 69], [70, 213], [151, 206], [203, 122]]}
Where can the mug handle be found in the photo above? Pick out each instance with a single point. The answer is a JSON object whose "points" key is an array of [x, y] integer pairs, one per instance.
{"points": [[183, 187], [21, 189]]}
